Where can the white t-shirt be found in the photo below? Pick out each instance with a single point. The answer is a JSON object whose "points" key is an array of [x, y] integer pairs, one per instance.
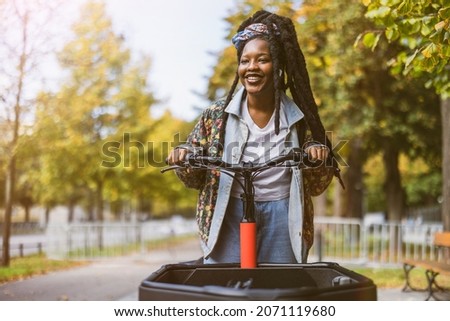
{"points": [[262, 145]]}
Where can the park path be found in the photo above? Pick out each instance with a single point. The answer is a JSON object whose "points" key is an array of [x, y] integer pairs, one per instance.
{"points": [[118, 279], [103, 280]]}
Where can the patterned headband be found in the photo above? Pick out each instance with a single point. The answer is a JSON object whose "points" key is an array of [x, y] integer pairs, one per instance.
{"points": [[250, 32]]}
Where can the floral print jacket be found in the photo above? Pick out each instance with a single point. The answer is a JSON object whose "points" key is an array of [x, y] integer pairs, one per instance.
{"points": [[206, 135]]}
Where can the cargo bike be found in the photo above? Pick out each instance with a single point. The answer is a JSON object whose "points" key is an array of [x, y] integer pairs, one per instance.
{"points": [[249, 280]]}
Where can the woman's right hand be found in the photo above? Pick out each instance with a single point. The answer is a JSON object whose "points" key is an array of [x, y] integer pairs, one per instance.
{"points": [[177, 156]]}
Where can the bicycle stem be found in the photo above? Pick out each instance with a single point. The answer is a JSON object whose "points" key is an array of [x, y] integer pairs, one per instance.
{"points": [[248, 198], [248, 224]]}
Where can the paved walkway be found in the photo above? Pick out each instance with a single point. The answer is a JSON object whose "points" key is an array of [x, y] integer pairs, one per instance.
{"points": [[118, 279], [104, 280]]}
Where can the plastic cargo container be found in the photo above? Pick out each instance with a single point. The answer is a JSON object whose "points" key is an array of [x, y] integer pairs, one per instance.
{"points": [[220, 282]]}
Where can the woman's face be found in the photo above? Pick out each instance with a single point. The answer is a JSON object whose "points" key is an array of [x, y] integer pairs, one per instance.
{"points": [[255, 68]]}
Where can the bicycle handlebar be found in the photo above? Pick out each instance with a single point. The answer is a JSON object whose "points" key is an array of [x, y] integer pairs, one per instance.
{"points": [[196, 161], [248, 171]]}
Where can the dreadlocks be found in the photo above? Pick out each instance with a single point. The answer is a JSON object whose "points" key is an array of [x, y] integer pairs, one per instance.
{"points": [[289, 72]]}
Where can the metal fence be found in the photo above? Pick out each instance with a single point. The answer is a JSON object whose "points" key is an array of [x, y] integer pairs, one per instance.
{"points": [[97, 240], [336, 239], [24, 249], [352, 241]]}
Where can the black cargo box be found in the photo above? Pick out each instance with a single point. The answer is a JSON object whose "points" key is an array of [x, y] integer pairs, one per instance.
{"points": [[214, 282]]}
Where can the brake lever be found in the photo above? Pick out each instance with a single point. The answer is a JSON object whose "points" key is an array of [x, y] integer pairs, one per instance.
{"points": [[188, 162], [169, 168]]}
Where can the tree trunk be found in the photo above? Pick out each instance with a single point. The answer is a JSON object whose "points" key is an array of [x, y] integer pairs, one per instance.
{"points": [[11, 170], [100, 202], [395, 197], [9, 200], [90, 206], [100, 217], [71, 212], [445, 112], [338, 197], [27, 213], [354, 180], [47, 215]]}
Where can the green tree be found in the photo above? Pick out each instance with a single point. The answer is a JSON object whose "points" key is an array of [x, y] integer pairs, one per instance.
{"points": [[59, 177], [361, 100], [423, 27], [24, 43], [173, 197], [104, 96], [98, 141], [336, 70]]}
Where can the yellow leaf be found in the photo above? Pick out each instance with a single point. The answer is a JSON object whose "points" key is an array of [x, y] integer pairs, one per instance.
{"points": [[440, 25], [429, 50]]}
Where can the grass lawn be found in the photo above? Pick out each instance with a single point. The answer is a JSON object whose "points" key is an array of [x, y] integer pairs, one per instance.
{"points": [[24, 267], [21, 268], [395, 277]]}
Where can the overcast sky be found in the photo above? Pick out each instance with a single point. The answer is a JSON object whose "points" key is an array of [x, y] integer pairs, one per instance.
{"points": [[177, 34]]}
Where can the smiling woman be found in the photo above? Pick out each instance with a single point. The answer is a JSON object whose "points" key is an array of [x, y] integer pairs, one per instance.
{"points": [[256, 74], [253, 125]]}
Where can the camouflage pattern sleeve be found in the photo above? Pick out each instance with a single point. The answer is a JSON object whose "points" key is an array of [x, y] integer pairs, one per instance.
{"points": [[317, 179], [194, 178], [205, 136]]}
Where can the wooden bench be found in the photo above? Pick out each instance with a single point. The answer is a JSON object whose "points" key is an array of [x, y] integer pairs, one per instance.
{"points": [[441, 265]]}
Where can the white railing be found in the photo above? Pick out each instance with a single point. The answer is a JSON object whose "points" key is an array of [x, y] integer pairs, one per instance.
{"points": [[96, 240], [352, 241], [335, 238], [338, 240]]}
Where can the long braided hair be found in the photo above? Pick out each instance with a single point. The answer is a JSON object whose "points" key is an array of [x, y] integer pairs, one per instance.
{"points": [[289, 71]]}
